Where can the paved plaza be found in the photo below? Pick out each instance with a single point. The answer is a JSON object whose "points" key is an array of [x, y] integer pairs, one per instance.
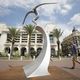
{"points": [[66, 64], [59, 70]]}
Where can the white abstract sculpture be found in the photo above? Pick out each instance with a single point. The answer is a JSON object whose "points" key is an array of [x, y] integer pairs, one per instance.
{"points": [[39, 67]]}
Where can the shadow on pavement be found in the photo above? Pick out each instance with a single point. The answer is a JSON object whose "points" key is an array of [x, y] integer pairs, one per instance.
{"points": [[67, 67]]}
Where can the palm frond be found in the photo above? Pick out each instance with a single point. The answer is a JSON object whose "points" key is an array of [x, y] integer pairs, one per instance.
{"points": [[13, 32], [57, 33], [29, 29]]}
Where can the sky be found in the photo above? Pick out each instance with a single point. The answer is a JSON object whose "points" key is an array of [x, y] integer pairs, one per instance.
{"points": [[65, 14]]}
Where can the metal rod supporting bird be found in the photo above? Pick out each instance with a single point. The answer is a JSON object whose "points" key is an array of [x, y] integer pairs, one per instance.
{"points": [[34, 11]]}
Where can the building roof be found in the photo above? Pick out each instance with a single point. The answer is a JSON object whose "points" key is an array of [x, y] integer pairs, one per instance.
{"points": [[47, 27], [74, 33], [3, 27]]}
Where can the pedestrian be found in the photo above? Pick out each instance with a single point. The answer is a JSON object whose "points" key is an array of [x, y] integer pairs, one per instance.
{"points": [[74, 54]]}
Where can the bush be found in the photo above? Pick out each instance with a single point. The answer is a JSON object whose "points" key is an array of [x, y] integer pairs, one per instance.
{"points": [[16, 54], [33, 53], [27, 55], [2, 54]]}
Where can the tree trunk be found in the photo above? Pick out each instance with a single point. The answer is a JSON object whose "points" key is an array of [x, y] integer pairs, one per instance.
{"points": [[58, 44], [12, 48], [29, 44]]}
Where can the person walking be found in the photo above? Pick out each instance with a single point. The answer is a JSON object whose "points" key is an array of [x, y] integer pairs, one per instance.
{"points": [[74, 54]]}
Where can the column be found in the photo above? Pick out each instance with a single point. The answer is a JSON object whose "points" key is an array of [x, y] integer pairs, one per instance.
{"points": [[35, 45], [19, 49], [3, 41], [20, 38], [27, 43]]}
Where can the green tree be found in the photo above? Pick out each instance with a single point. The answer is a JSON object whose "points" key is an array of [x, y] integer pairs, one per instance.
{"points": [[29, 30], [13, 33], [57, 33]]}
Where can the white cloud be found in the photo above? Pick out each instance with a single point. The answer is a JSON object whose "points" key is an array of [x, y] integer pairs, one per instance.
{"points": [[66, 30], [5, 4], [65, 8], [20, 3], [62, 6], [48, 9], [42, 22], [75, 20]]}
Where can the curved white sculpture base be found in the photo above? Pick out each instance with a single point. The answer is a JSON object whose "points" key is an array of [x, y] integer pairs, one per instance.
{"points": [[39, 67]]}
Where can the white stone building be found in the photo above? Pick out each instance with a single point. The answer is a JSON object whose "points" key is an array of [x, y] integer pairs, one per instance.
{"points": [[22, 41], [67, 41]]}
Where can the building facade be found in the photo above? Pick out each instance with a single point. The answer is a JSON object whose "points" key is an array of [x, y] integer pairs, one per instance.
{"points": [[22, 41], [67, 41]]}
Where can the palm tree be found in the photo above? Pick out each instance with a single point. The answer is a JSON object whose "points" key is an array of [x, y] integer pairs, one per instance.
{"points": [[13, 33], [57, 33], [29, 30]]}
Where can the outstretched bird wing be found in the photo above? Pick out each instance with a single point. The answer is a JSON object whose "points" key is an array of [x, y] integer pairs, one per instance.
{"points": [[34, 10], [27, 15], [42, 4]]}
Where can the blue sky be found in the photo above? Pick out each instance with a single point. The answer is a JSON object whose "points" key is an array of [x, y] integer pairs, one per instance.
{"points": [[65, 14]]}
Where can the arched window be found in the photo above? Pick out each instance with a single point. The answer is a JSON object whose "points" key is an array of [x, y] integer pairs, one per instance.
{"points": [[39, 50], [15, 49], [23, 50], [52, 52], [7, 49], [31, 49]]}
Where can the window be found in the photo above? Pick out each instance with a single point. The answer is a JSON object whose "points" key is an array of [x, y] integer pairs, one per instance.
{"points": [[39, 38], [24, 37], [17, 39], [8, 38], [51, 38], [33, 38], [0, 35]]}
